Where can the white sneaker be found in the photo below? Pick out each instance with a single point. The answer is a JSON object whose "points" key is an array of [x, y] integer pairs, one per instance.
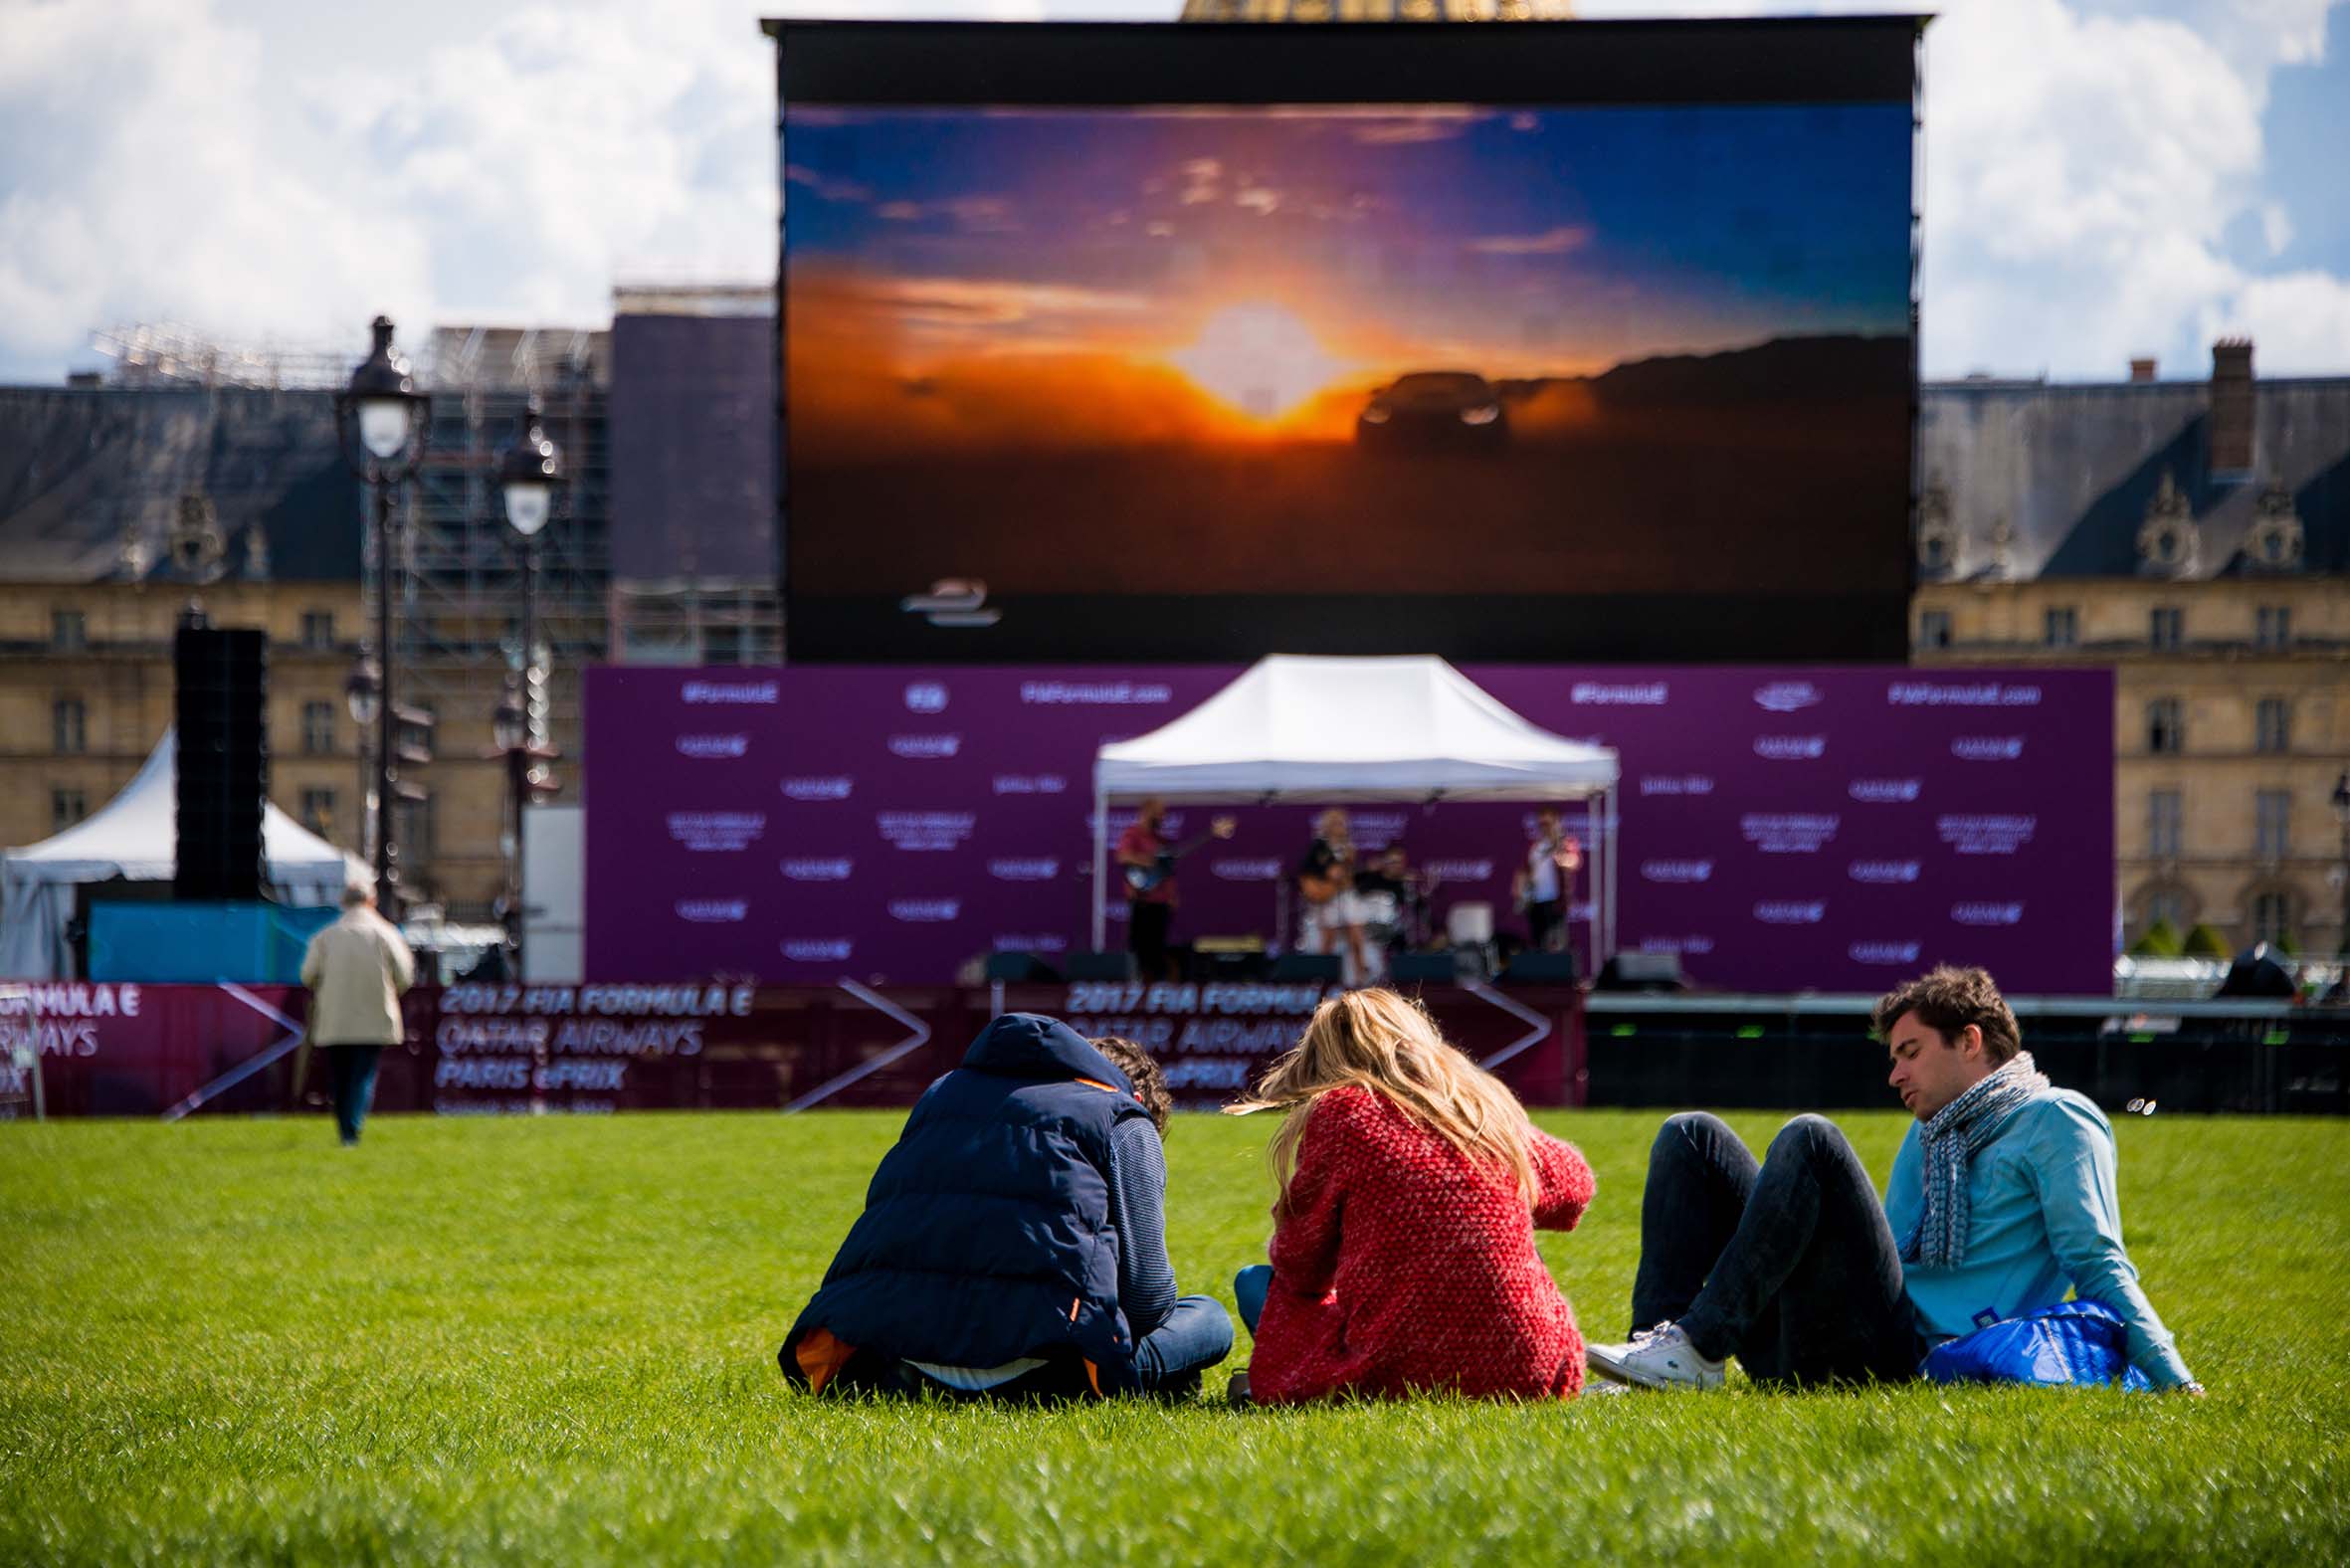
{"points": [[1658, 1357]]}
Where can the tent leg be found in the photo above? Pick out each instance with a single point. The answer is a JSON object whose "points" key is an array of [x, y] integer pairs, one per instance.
{"points": [[1612, 826], [1101, 892], [1594, 818]]}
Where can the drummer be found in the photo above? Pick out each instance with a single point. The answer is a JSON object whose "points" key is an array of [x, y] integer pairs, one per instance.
{"points": [[1392, 901]]}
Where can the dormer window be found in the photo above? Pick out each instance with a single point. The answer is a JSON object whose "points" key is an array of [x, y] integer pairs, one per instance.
{"points": [[2003, 548], [1937, 537], [2168, 543], [197, 545], [2275, 544]]}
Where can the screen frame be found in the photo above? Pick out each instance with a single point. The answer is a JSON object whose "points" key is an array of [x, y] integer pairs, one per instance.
{"points": [[1081, 64]]}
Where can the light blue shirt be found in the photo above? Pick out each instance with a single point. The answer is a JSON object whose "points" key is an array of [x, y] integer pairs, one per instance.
{"points": [[2044, 1215]]}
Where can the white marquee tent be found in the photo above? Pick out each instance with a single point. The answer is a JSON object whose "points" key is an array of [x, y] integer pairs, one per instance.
{"points": [[1335, 731], [134, 836]]}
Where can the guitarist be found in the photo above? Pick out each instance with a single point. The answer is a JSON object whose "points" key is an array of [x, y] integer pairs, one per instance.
{"points": [[1150, 911], [1545, 883], [1325, 885], [1146, 865]]}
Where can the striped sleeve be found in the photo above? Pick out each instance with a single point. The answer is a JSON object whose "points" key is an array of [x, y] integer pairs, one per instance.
{"points": [[1138, 1210]]}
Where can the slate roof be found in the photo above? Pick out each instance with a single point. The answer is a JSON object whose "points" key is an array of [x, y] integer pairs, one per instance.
{"points": [[2073, 471], [91, 480]]}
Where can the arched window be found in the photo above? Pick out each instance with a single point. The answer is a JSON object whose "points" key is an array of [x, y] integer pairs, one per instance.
{"points": [[2272, 915], [2164, 903]]}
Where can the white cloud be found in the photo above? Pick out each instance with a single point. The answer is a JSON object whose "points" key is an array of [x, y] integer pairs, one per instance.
{"points": [[145, 178], [2299, 323], [2082, 169]]}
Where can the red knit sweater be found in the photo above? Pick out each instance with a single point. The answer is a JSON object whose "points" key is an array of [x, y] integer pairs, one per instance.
{"points": [[1400, 1264]]}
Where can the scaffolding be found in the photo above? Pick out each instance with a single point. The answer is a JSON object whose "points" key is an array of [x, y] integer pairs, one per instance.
{"points": [[693, 618], [458, 585], [461, 585], [169, 354], [686, 621]]}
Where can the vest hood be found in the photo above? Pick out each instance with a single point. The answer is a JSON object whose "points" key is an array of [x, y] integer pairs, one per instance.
{"points": [[1040, 1050]]}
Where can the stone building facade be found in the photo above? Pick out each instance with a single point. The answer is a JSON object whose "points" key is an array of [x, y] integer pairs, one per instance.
{"points": [[2195, 537], [121, 506]]}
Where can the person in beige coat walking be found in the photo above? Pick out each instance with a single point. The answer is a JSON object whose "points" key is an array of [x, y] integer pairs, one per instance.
{"points": [[356, 969]]}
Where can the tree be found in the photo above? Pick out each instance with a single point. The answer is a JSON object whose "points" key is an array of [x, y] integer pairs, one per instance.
{"points": [[2205, 943]]}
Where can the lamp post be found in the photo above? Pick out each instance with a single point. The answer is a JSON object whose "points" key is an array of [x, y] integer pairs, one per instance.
{"points": [[2342, 816], [383, 422], [363, 691], [528, 473], [510, 728]]}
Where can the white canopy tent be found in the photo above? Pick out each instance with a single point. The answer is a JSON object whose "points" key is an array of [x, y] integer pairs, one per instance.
{"points": [[134, 836], [1336, 731]]}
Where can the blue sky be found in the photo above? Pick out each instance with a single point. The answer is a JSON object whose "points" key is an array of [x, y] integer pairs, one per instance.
{"points": [[2103, 178], [1527, 242]]}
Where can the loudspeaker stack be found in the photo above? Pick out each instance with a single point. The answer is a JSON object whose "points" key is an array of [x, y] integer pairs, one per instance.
{"points": [[221, 708]]}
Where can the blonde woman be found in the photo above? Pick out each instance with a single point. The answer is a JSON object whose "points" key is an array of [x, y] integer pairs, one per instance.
{"points": [[1403, 1248]]}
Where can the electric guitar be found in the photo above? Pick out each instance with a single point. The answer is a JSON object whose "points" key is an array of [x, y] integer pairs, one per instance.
{"points": [[1147, 879], [1320, 888]]}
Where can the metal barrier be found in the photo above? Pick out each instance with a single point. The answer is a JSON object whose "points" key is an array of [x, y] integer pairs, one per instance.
{"points": [[1814, 1053], [20, 1056]]}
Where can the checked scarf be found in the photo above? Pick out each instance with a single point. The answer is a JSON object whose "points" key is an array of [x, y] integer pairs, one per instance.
{"points": [[1947, 1143]]}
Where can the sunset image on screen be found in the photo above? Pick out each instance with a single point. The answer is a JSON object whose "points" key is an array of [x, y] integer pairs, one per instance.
{"points": [[1260, 349]]}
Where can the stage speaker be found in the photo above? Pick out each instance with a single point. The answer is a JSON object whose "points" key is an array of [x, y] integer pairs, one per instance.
{"points": [[1642, 972], [1100, 966], [220, 706], [1234, 964], [1533, 968], [1021, 969], [1308, 968], [1421, 969]]}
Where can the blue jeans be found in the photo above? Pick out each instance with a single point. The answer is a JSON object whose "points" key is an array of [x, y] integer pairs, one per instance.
{"points": [[1249, 1287], [1196, 1334], [353, 1068], [1789, 1265]]}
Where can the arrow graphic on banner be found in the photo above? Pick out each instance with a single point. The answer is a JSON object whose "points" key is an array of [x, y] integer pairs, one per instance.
{"points": [[244, 1070], [882, 1003], [1541, 1030]]}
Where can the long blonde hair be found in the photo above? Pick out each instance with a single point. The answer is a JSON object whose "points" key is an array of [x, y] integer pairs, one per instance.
{"points": [[1379, 1040]]}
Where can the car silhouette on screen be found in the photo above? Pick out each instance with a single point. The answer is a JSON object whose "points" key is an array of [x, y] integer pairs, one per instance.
{"points": [[1431, 409]]}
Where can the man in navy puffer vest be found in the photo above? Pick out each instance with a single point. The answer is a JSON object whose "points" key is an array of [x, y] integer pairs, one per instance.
{"points": [[1013, 1241]]}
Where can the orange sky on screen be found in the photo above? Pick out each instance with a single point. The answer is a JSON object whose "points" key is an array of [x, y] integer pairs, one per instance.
{"points": [[892, 367]]}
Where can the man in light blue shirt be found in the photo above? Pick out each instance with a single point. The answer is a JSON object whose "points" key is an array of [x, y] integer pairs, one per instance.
{"points": [[2002, 1198]]}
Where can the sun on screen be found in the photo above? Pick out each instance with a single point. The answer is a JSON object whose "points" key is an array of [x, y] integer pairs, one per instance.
{"points": [[1258, 358]]}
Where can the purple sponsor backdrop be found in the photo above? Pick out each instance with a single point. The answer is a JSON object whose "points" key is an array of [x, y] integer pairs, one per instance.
{"points": [[1780, 828]]}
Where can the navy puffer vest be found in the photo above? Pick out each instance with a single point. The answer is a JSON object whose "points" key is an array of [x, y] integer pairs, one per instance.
{"points": [[986, 1234]]}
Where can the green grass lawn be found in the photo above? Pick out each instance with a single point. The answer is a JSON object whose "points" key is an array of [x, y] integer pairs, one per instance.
{"points": [[554, 1340]]}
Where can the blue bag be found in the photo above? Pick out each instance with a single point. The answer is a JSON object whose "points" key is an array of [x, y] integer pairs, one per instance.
{"points": [[2070, 1344]]}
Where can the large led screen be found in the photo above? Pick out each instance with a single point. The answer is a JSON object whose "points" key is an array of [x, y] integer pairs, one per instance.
{"points": [[1212, 379]]}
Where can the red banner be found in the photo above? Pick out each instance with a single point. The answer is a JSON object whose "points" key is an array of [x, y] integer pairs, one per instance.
{"points": [[489, 1050]]}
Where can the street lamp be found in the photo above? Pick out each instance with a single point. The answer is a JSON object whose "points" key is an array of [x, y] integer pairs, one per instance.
{"points": [[383, 422], [528, 473]]}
